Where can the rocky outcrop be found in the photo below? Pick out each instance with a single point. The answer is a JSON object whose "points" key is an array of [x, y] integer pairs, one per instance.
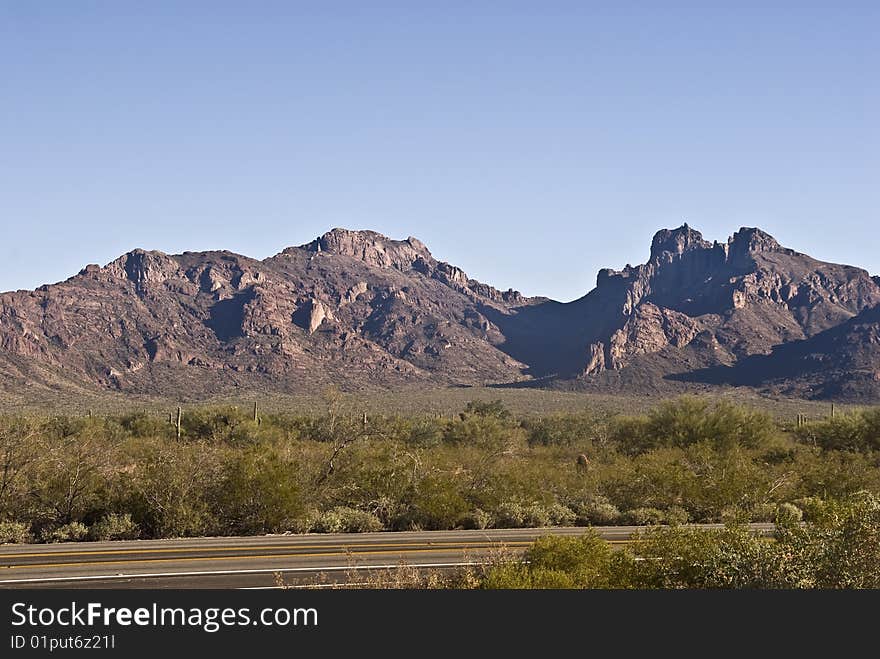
{"points": [[144, 268], [311, 314], [372, 248], [749, 294], [676, 242], [408, 256]]}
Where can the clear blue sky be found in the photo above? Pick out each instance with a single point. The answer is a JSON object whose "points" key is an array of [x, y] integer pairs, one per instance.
{"points": [[530, 143]]}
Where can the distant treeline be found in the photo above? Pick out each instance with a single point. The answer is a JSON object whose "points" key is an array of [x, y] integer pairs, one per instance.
{"points": [[234, 472]]}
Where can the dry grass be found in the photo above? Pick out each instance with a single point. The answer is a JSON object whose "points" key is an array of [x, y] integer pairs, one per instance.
{"points": [[405, 576]]}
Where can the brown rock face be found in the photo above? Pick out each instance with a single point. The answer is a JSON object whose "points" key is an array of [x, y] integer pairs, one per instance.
{"points": [[357, 309], [372, 248], [749, 294], [352, 307]]}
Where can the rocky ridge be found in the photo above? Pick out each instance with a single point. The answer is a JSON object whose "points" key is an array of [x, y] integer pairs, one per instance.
{"points": [[356, 308]]}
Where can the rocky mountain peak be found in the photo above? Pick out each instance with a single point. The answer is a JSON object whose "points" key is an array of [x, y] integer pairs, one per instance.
{"points": [[144, 267], [677, 241], [752, 240], [372, 248]]}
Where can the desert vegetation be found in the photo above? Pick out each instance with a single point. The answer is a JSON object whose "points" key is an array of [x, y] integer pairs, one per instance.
{"points": [[837, 549], [233, 472]]}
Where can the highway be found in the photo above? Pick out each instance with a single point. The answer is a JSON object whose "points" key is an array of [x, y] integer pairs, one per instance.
{"points": [[265, 561]]}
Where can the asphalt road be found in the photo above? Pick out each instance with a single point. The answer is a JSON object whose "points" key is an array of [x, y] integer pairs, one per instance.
{"points": [[260, 562]]}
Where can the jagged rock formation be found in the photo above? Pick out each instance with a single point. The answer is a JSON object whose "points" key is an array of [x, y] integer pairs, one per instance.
{"points": [[357, 309], [741, 298]]}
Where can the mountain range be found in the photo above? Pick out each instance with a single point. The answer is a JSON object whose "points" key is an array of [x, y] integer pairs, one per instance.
{"points": [[358, 309]]}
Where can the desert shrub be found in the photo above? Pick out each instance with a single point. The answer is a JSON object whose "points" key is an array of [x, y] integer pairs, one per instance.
{"points": [[343, 519], [595, 511], [114, 526], [141, 424], [169, 492], [71, 532], [226, 424], [426, 433], [836, 474], [560, 430], [535, 515], [14, 533], [788, 513], [510, 515], [560, 515], [858, 431], [494, 409], [515, 575], [688, 420], [489, 433], [514, 515], [812, 507], [644, 516], [22, 447], [434, 502], [841, 547], [763, 512], [257, 492], [735, 515], [475, 519], [675, 515], [68, 484], [557, 562], [700, 478], [683, 557]]}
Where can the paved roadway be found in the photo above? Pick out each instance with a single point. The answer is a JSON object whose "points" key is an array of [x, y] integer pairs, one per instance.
{"points": [[259, 562]]}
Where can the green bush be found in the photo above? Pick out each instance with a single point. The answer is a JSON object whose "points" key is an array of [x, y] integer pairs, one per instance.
{"points": [[513, 575], [141, 424], [644, 516], [476, 520], [71, 532], [225, 424], [813, 508], [434, 502], [256, 493], [514, 515], [14, 533], [495, 409], [343, 519], [858, 431], [688, 421], [841, 547], [115, 526], [595, 511], [561, 430], [426, 433], [560, 515], [763, 512], [675, 515], [170, 491], [558, 562], [788, 513], [684, 557], [511, 515]]}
